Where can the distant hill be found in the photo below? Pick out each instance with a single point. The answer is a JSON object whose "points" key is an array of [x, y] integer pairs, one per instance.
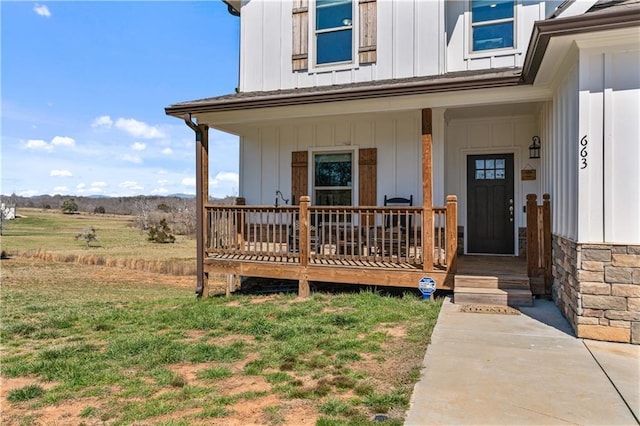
{"points": [[111, 205]]}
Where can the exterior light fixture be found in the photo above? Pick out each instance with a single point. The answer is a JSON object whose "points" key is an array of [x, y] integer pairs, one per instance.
{"points": [[346, 22], [534, 148]]}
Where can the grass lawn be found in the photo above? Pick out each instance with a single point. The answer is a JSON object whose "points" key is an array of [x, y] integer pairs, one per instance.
{"points": [[99, 345], [49, 234]]}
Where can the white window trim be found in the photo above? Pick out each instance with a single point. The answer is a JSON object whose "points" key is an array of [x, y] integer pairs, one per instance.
{"points": [[333, 149], [313, 67], [469, 53]]}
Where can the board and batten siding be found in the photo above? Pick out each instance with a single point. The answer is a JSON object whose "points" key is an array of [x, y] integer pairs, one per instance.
{"points": [[591, 154], [490, 135], [404, 46], [266, 153]]}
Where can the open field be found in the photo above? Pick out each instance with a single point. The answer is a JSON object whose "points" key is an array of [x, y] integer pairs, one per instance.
{"points": [[49, 235], [97, 345]]}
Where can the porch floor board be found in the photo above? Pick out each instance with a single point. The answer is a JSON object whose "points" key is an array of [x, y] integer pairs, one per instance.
{"points": [[324, 262]]}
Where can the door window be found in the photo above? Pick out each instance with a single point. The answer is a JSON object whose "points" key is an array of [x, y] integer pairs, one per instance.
{"points": [[490, 169]]}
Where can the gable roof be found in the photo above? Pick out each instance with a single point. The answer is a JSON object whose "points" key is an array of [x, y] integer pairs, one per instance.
{"points": [[604, 15]]}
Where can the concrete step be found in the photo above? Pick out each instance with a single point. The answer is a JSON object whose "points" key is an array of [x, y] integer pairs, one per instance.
{"points": [[493, 281], [492, 296]]}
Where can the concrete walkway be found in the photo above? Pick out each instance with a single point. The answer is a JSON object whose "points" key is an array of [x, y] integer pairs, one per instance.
{"points": [[491, 369]]}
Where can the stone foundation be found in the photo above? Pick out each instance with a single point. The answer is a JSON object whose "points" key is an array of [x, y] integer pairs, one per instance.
{"points": [[597, 288], [522, 242]]}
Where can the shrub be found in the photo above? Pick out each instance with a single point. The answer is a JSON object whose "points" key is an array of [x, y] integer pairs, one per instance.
{"points": [[99, 210], [161, 233], [88, 235]]}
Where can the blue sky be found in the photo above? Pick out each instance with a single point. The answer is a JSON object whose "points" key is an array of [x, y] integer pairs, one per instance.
{"points": [[84, 85]]}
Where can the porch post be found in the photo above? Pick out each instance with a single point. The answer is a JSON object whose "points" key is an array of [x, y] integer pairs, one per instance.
{"points": [[202, 197], [451, 246], [546, 238], [427, 191], [532, 235], [303, 229]]}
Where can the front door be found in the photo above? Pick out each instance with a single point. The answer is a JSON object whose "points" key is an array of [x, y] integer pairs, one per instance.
{"points": [[490, 207]]}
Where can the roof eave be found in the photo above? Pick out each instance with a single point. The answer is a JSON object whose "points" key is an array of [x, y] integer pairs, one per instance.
{"points": [[574, 25], [346, 94]]}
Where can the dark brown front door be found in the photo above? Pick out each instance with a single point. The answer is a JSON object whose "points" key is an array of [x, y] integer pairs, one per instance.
{"points": [[490, 207]]}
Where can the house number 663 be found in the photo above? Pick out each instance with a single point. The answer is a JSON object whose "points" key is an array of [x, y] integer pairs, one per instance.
{"points": [[583, 152]]}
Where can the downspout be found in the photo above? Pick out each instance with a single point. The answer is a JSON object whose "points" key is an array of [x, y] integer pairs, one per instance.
{"points": [[199, 208]]}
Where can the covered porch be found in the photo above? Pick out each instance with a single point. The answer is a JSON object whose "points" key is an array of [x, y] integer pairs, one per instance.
{"points": [[345, 244]]}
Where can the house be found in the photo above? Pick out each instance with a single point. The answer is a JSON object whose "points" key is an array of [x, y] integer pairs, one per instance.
{"points": [[476, 111]]}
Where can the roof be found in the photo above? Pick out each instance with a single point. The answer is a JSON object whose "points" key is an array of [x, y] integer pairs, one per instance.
{"points": [[342, 92], [612, 5], [604, 15]]}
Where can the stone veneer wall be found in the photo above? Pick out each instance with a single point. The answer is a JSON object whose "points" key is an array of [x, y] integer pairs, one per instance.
{"points": [[597, 288]]}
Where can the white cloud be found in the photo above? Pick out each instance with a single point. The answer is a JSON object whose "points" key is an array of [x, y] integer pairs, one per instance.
{"points": [[163, 182], [40, 145], [80, 185], [42, 10], [167, 151], [102, 121], [60, 189], [63, 173], [129, 184], [160, 191], [139, 146], [30, 193], [63, 141], [138, 129], [189, 181], [37, 145], [99, 184], [132, 159], [225, 177]]}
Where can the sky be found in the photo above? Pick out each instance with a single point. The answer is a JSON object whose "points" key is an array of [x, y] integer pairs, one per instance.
{"points": [[84, 85]]}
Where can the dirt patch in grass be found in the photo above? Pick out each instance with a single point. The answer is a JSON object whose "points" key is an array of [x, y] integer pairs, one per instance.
{"points": [[130, 317]]}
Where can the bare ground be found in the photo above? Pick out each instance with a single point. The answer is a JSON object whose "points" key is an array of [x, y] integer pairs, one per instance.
{"points": [[265, 410]]}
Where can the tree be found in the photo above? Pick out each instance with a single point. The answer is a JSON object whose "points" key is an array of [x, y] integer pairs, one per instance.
{"points": [[142, 208], [99, 210], [69, 206], [88, 235], [161, 233]]}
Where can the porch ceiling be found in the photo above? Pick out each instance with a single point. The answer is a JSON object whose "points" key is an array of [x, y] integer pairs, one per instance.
{"points": [[482, 111]]}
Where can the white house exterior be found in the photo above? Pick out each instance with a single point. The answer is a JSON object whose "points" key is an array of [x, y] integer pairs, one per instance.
{"points": [[493, 75]]}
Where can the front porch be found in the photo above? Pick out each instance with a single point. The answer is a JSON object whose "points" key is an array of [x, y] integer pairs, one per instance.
{"points": [[345, 244]]}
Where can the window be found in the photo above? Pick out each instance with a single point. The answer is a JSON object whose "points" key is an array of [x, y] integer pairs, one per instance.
{"points": [[333, 178], [334, 31], [492, 24], [490, 169]]}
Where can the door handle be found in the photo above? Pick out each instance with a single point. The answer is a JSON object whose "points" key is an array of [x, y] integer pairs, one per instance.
{"points": [[511, 210]]}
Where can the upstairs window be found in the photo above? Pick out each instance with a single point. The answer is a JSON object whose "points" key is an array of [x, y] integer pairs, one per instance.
{"points": [[334, 31], [492, 24], [333, 179]]}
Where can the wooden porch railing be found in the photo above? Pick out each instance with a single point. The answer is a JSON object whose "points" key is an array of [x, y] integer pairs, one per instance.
{"points": [[539, 241], [322, 234]]}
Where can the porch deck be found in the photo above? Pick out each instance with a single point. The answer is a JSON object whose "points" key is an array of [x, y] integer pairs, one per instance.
{"points": [[492, 265], [352, 245]]}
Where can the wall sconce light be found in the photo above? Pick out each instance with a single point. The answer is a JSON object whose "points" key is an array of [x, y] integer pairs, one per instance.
{"points": [[534, 148]]}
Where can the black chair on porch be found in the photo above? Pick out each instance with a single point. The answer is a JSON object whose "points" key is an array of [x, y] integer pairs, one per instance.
{"points": [[394, 236]]}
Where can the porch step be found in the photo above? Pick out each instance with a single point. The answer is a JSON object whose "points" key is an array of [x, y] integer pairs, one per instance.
{"points": [[492, 296], [520, 282]]}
